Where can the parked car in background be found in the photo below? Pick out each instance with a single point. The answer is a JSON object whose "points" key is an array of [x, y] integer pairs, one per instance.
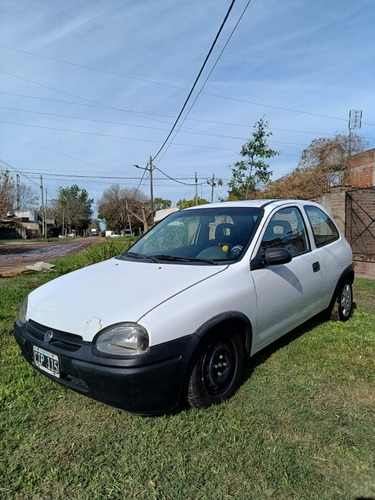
{"points": [[112, 234], [174, 318]]}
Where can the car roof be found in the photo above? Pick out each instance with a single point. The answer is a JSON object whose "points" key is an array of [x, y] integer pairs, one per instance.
{"points": [[260, 203]]}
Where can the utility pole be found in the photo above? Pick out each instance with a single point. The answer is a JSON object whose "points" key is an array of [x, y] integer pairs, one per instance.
{"points": [[18, 204], [151, 193], [196, 188], [42, 202], [150, 168], [355, 121], [212, 183], [45, 217]]}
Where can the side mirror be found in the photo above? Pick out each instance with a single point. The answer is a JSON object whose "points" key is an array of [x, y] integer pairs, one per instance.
{"points": [[277, 256]]}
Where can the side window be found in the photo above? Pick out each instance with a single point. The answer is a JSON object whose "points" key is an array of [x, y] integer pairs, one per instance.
{"points": [[287, 229], [323, 228]]}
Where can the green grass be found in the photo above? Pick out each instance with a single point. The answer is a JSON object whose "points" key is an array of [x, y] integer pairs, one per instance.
{"points": [[301, 425]]}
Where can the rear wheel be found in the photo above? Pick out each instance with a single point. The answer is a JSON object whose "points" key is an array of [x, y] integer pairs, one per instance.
{"points": [[217, 368], [343, 306]]}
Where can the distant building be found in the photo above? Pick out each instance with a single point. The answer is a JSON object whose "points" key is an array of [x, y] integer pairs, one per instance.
{"points": [[161, 214], [24, 224]]}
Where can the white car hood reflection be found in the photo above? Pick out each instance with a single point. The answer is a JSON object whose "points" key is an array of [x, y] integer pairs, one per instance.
{"points": [[114, 291]]}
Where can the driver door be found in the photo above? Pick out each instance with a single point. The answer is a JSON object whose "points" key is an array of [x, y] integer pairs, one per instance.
{"points": [[288, 294]]}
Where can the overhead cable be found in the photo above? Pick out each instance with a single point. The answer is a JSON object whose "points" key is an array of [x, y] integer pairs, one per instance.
{"points": [[196, 80]]}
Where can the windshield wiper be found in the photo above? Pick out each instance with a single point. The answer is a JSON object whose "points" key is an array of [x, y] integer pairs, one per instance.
{"points": [[174, 258], [138, 256]]}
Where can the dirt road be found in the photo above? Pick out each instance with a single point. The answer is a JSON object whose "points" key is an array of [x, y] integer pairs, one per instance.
{"points": [[15, 256]]}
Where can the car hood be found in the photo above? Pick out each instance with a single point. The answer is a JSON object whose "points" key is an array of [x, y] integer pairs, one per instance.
{"points": [[90, 299]]}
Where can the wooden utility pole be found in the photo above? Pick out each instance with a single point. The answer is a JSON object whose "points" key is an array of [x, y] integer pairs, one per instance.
{"points": [[212, 183], [150, 168], [151, 193], [42, 202], [45, 218], [18, 200], [196, 188]]}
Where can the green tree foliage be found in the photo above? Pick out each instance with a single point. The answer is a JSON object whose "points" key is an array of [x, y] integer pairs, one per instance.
{"points": [[252, 171], [73, 209], [191, 203], [160, 204]]}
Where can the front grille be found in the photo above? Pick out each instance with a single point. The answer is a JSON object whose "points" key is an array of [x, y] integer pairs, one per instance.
{"points": [[62, 340]]}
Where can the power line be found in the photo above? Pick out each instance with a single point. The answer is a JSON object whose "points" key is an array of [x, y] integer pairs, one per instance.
{"points": [[104, 106], [190, 132], [153, 82], [209, 74], [91, 68], [17, 171], [197, 78], [111, 135]]}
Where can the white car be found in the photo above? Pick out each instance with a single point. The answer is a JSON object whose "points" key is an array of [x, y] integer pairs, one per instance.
{"points": [[174, 318]]}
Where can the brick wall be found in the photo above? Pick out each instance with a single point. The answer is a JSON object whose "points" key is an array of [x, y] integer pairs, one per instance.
{"points": [[334, 203], [362, 169]]}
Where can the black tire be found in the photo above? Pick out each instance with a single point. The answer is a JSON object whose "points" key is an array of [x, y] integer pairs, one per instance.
{"points": [[216, 369], [343, 307]]}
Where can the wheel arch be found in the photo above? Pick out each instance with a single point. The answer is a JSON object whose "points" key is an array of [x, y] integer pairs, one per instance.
{"points": [[346, 276], [236, 320]]}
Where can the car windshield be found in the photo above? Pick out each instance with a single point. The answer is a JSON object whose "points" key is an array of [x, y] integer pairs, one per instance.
{"points": [[202, 235]]}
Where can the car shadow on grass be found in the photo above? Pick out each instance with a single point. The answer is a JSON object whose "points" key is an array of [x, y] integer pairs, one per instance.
{"points": [[260, 357]]}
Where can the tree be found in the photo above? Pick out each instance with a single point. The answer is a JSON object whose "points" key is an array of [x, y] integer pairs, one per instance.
{"points": [[330, 155], [322, 157], [28, 198], [248, 173], [7, 193], [191, 203], [14, 196], [160, 204], [122, 208], [72, 209]]}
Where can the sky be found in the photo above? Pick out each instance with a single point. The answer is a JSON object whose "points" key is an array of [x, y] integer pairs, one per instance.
{"points": [[90, 88]]}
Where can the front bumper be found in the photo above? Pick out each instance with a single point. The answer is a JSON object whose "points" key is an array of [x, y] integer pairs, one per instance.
{"points": [[146, 384]]}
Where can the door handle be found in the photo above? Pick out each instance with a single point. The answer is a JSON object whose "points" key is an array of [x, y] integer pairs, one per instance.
{"points": [[316, 267]]}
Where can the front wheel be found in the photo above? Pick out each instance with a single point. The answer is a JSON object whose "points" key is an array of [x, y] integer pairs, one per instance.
{"points": [[217, 369], [343, 307]]}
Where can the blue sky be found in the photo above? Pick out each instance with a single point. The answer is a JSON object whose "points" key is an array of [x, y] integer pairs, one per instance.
{"points": [[88, 88]]}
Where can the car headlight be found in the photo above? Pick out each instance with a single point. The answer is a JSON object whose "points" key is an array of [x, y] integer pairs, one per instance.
{"points": [[123, 339], [23, 311]]}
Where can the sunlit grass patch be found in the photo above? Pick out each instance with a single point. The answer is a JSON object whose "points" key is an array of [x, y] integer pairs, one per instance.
{"points": [[301, 425]]}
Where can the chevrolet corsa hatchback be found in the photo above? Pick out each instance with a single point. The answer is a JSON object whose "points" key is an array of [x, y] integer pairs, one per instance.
{"points": [[174, 318]]}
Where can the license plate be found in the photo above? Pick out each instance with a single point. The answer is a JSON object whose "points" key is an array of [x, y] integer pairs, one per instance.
{"points": [[46, 361]]}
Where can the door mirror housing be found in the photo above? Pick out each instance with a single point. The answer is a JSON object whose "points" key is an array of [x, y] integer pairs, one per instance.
{"points": [[277, 256]]}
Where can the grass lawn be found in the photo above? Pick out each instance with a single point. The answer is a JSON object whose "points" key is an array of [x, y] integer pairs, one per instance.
{"points": [[300, 427]]}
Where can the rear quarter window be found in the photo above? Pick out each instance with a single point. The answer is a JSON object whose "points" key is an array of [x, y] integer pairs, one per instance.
{"points": [[323, 228]]}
